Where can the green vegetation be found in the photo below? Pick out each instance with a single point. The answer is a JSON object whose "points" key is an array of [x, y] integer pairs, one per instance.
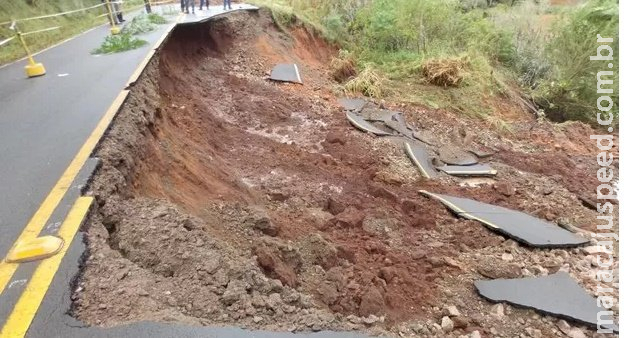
{"points": [[119, 43], [70, 25], [156, 19], [463, 55], [140, 24], [143, 23]]}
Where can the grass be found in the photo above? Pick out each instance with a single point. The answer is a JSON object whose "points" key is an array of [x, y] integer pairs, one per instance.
{"points": [[125, 41], [143, 23], [140, 24], [70, 24], [119, 43]]}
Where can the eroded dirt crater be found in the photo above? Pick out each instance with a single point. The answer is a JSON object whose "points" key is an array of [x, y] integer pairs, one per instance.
{"points": [[228, 199]]}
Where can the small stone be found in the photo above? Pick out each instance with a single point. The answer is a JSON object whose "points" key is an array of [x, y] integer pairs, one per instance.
{"points": [[447, 324], [507, 257], [354, 319], [475, 334], [498, 310], [143, 293], [535, 333], [452, 311], [576, 333], [505, 188], [257, 319], [590, 250], [371, 319]]}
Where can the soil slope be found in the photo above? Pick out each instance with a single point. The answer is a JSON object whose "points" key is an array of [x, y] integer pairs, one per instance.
{"points": [[225, 198]]}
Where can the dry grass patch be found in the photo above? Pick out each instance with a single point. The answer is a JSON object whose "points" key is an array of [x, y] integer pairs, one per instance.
{"points": [[368, 82], [343, 67], [445, 72]]}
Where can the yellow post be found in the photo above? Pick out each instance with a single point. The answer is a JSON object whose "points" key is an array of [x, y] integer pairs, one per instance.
{"points": [[33, 68], [114, 29]]}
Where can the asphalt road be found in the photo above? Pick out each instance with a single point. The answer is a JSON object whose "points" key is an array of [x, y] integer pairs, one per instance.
{"points": [[45, 120]]}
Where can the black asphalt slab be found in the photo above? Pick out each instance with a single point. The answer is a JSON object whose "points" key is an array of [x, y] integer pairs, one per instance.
{"points": [[455, 156], [558, 295], [355, 105], [360, 123], [286, 73], [522, 227], [420, 157]]}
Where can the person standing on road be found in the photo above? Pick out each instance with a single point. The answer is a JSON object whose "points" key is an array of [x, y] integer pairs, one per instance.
{"points": [[229, 4], [204, 2], [182, 5], [115, 9], [148, 7], [186, 6]]}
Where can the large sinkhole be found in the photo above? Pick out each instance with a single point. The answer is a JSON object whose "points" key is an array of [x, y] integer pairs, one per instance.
{"points": [[226, 199]]}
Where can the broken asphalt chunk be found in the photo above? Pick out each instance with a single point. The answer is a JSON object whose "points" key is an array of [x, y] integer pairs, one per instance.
{"points": [[364, 125], [558, 295], [286, 73], [456, 156], [377, 115], [398, 124], [468, 170], [480, 153], [355, 105], [521, 227], [425, 136], [419, 156]]}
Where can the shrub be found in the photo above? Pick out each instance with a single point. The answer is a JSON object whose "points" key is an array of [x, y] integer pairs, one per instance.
{"points": [[156, 19], [343, 67], [569, 92], [140, 24], [119, 43], [368, 82], [445, 72]]}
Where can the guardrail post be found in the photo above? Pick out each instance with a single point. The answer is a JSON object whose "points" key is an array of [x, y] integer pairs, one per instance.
{"points": [[114, 28], [33, 68]]}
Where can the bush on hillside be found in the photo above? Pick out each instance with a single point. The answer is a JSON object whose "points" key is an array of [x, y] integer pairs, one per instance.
{"points": [[445, 72], [569, 90]]}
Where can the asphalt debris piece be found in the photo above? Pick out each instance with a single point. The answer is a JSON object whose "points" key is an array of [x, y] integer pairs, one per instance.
{"points": [[521, 227], [480, 153], [355, 105], [425, 136], [419, 156], [364, 125], [377, 115], [456, 156], [398, 124], [285, 72], [468, 170], [558, 295]]}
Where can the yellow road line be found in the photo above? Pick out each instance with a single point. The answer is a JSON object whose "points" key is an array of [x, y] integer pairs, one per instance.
{"points": [[41, 216], [24, 311]]}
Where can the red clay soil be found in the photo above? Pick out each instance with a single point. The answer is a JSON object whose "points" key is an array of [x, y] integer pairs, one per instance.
{"points": [[225, 198]]}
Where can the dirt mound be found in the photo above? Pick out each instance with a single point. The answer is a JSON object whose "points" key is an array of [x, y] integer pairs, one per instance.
{"points": [[225, 198]]}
